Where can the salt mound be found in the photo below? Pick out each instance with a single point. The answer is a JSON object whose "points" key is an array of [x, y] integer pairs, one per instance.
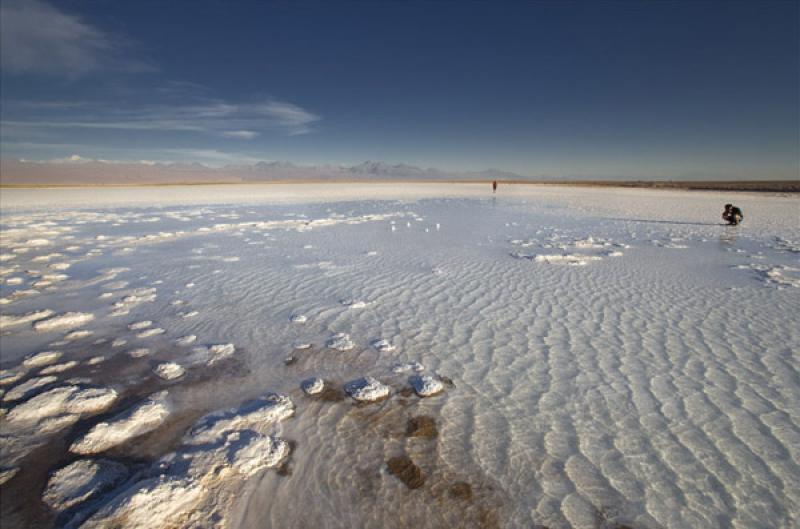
{"points": [[366, 389], [42, 359], [137, 297], [62, 400], [138, 353], [186, 340], [139, 420], [77, 335], [784, 276], [354, 304], [383, 346], [18, 294], [7, 473], [9, 376], [341, 341], [195, 486], [212, 354], [169, 371], [568, 259], [405, 368], [426, 385], [155, 502], [140, 325], [312, 386], [69, 320], [81, 481], [10, 320], [256, 453], [58, 368], [118, 342], [27, 388], [255, 414], [150, 332]]}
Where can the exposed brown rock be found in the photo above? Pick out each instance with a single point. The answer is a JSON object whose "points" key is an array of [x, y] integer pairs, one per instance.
{"points": [[421, 426], [404, 469], [461, 490]]}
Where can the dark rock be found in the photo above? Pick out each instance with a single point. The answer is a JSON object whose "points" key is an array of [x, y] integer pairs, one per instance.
{"points": [[461, 490], [404, 469], [421, 426]]}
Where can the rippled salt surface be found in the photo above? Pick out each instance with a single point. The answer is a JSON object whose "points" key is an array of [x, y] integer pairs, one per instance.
{"points": [[609, 358]]}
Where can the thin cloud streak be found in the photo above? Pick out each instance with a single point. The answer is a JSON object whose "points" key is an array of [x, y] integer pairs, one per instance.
{"points": [[237, 121], [122, 155], [38, 38]]}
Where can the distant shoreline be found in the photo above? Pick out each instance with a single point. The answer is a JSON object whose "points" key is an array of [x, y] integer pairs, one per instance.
{"points": [[761, 186]]}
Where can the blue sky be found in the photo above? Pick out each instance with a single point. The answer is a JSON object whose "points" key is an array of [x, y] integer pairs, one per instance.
{"points": [[683, 89]]}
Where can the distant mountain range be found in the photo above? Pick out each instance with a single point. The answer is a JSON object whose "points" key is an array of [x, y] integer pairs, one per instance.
{"points": [[79, 171]]}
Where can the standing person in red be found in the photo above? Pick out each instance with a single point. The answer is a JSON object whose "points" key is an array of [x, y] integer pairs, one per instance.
{"points": [[494, 186]]}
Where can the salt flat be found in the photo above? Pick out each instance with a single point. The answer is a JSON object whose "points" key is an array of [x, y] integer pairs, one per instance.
{"points": [[588, 357]]}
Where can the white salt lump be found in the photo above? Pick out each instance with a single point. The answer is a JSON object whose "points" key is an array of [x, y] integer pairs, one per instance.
{"points": [[341, 342], [255, 414], [426, 385], [169, 371], [42, 359], [9, 376], [81, 481], [256, 453], [69, 320], [58, 368], [155, 502], [312, 386], [405, 368], [141, 419], [366, 389], [27, 388], [71, 400], [7, 473]]}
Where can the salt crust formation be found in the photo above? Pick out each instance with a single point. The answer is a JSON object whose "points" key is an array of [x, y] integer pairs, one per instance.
{"points": [[11, 320], [196, 485], [426, 385], [63, 400], [169, 371], [82, 481], [341, 342], [66, 321], [366, 389], [405, 368], [42, 359], [141, 419], [189, 339], [28, 388], [312, 386], [212, 354]]}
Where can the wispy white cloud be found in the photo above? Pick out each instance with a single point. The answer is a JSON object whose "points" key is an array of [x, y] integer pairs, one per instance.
{"points": [[38, 38], [296, 120], [67, 153], [240, 134], [221, 118]]}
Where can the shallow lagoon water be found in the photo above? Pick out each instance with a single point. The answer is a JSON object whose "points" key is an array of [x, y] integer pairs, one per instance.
{"points": [[617, 357]]}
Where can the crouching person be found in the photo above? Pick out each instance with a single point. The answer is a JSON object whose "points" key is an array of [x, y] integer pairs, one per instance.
{"points": [[732, 215]]}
